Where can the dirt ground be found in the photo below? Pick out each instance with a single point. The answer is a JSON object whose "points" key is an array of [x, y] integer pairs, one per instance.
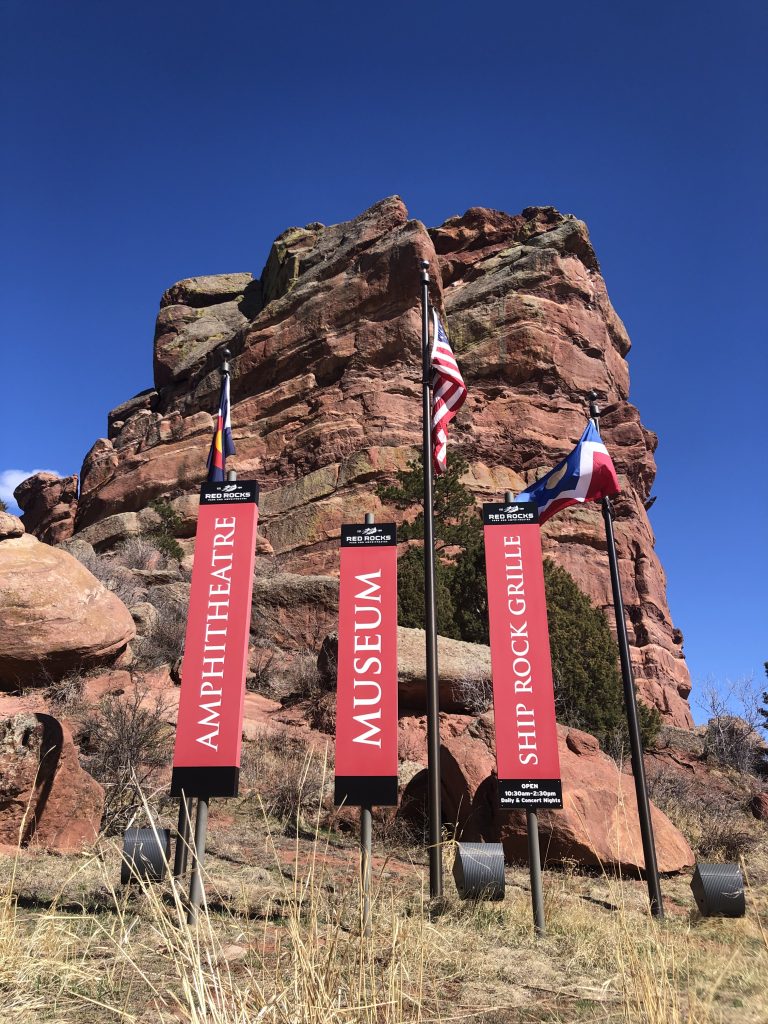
{"points": [[278, 940]]}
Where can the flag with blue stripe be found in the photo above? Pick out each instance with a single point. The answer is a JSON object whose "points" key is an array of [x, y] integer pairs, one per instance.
{"points": [[587, 474], [222, 444]]}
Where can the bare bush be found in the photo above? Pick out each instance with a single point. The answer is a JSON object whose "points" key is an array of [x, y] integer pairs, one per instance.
{"points": [[731, 737], [714, 824], [289, 777], [66, 695], [114, 576], [475, 693], [126, 741], [140, 553], [165, 643]]}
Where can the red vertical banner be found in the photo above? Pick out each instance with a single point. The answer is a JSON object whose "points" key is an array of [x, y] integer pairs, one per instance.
{"points": [[523, 693], [206, 758], [366, 697]]}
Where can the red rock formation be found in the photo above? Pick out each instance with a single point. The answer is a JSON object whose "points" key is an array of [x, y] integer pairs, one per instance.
{"points": [[597, 826], [326, 395], [49, 504], [46, 799], [54, 615]]}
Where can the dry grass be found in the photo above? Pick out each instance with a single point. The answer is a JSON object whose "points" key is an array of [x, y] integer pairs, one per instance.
{"points": [[278, 940]]}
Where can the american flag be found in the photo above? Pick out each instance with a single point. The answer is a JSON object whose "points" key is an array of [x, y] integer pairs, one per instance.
{"points": [[222, 444], [449, 392]]}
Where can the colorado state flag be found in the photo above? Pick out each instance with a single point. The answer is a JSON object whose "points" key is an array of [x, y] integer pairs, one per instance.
{"points": [[222, 444], [587, 474]]}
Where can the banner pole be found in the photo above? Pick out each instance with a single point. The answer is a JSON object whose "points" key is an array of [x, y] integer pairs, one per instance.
{"points": [[182, 836], [366, 834], [433, 694], [630, 703], [534, 855], [198, 859]]}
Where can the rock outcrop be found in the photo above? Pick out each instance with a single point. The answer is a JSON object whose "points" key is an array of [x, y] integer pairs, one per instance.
{"points": [[326, 396], [49, 504], [598, 825], [54, 615], [46, 799]]}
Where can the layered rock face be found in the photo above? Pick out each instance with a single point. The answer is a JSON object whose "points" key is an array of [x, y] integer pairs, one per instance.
{"points": [[326, 396]]}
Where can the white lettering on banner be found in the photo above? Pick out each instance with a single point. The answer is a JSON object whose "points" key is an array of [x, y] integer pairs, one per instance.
{"points": [[526, 735], [520, 646], [367, 692], [216, 620]]}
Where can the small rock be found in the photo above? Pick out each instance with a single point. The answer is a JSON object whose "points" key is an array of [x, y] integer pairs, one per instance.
{"points": [[10, 526], [146, 617]]}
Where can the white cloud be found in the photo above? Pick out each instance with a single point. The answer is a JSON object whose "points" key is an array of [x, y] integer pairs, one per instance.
{"points": [[10, 480]]}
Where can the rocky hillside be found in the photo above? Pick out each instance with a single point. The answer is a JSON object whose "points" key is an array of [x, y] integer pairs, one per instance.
{"points": [[326, 401]]}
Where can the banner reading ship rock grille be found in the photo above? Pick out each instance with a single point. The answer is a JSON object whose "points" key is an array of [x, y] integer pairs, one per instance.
{"points": [[523, 694], [366, 698], [206, 758]]}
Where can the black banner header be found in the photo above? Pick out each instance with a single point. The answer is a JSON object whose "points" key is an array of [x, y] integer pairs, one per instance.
{"points": [[368, 535], [230, 492]]}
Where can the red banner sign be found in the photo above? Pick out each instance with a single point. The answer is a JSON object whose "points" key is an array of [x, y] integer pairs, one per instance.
{"points": [[523, 694], [366, 698], [206, 759]]}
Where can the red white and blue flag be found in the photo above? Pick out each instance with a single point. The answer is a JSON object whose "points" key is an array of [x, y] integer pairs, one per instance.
{"points": [[222, 444], [587, 474], [448, 393]]}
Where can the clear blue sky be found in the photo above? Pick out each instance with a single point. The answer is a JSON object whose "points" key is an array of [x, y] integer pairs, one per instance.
{"points": [[149, 142]]}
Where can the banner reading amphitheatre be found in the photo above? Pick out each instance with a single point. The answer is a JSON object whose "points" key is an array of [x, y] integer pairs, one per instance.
{"points": [[366, 699], [523, 695], [206, 758]]}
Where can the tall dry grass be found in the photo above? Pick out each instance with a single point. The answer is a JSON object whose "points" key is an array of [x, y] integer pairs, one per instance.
{"points": [[293, 954]]}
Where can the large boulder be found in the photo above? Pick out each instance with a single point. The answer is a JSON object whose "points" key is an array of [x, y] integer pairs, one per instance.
{"points": [[54, 615], [598, 825], [49, 504], [46, 799], [464, 676]]}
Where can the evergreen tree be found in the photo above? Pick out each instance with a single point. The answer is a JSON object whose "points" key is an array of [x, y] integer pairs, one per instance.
{"points": [[763, 711], [588, 688]]}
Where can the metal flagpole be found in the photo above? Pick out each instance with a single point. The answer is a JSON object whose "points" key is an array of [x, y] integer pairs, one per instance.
{"points": [[433, 696], [630, 703], [366, 831], [534, 854]]}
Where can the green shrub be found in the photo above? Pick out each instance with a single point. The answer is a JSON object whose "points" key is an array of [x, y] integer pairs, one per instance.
{"points": [[164, 536]]}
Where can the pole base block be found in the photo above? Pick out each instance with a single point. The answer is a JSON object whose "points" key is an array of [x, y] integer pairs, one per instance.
{"points": [[478, 870], [145, 855], [719, 890]]}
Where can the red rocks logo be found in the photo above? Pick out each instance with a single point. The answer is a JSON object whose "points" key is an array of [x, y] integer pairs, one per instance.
{"points": [[366, 699], [206, 759], [523, 693]]}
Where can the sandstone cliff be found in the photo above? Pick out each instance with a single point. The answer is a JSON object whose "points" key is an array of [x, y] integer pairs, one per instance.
{"points": [[326, 395]]}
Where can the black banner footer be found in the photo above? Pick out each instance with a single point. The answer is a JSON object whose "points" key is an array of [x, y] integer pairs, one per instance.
{"points": [[531, 794], [366, 790], [205, 781]]}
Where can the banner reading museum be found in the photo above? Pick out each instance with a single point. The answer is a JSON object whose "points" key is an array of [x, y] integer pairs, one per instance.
{"points": [[206, 758], [366, 698], [523, 694]]}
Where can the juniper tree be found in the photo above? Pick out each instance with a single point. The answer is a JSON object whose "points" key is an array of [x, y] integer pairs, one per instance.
{"points": [[588, 688]]}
